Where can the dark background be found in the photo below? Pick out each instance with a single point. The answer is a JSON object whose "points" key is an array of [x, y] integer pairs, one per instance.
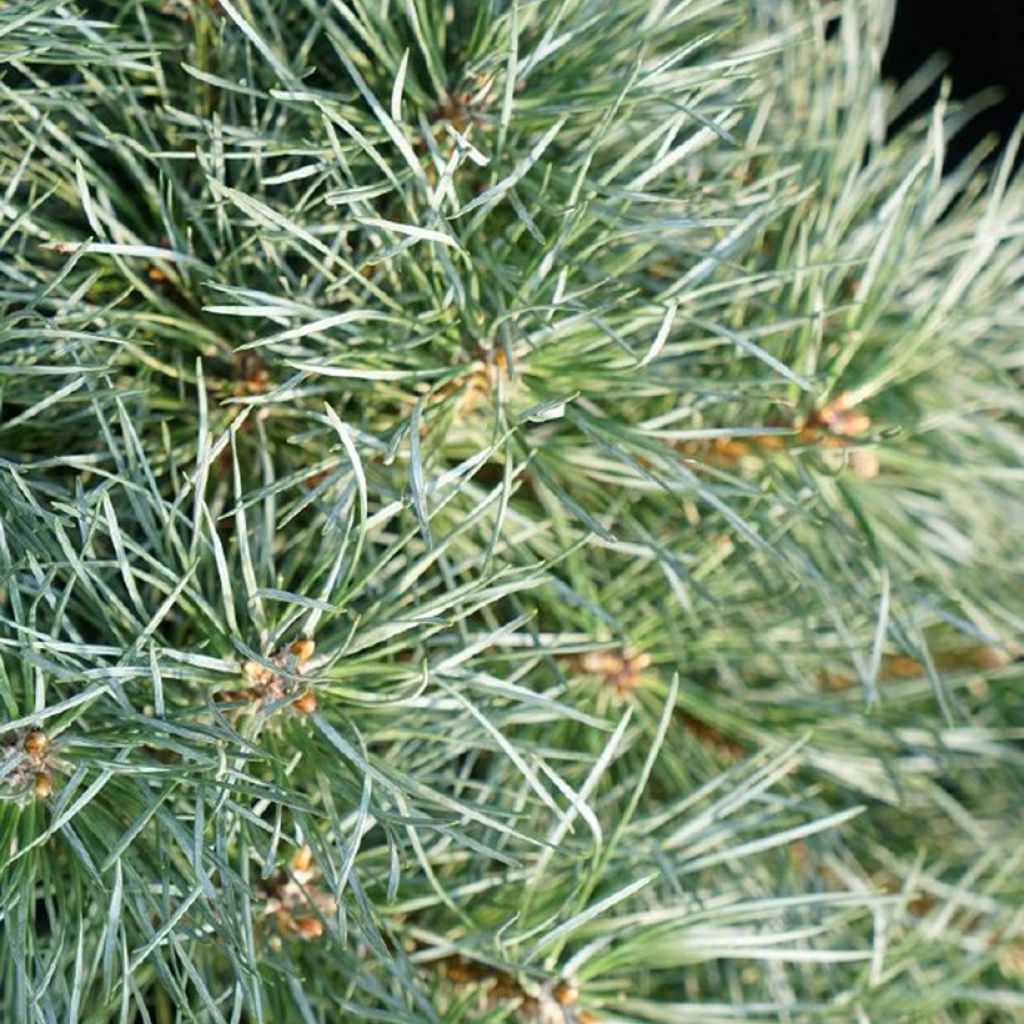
{"points": [[985, 42]]}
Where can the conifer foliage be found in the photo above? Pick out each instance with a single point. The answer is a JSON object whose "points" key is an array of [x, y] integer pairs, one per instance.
{"points": [[506, 514]]}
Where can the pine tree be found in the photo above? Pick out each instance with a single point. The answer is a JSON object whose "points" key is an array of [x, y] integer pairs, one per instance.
{"points": [[507, 513]]}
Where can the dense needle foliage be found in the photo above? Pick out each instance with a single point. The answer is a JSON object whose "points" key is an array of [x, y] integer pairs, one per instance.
{"points": [[507, 513]]}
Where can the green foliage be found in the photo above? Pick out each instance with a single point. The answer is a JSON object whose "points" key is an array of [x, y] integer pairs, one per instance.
{"points": [[632, 422]]}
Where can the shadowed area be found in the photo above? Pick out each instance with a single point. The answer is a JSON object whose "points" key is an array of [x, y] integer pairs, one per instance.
{"points": [[983, 41]]}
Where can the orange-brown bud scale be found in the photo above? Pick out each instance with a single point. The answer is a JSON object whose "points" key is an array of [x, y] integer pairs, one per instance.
{"points": [[461, 972], [621, 670], [255, 672], [565, 994], [308, 927], [989, 658], [36, 743], [306, 703], [302, 859], [903, 667], [303, 650]]}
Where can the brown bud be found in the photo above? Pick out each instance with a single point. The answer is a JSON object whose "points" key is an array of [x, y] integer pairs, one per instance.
{"points": [[302, 859], [852, 424], [36, 743], [840, 419], [43, 786], [601, 663], [565, 994], [306, 703], [256, 382], [730, 449], [989, 658], [255, 672], [621, 670], [903, 667], [309, 927], [303, 650], [156, 275]]}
